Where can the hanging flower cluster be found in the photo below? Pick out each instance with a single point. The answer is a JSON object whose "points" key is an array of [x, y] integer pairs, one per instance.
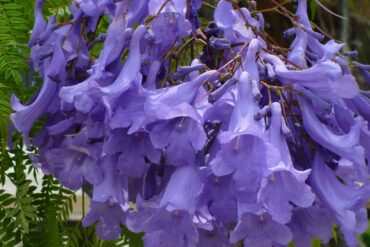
{"points": [[248, 142]]}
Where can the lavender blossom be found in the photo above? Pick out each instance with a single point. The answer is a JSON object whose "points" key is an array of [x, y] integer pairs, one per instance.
{"points": [[253, 144]]}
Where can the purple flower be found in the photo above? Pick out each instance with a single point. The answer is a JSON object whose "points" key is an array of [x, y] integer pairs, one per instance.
{"points": [[75, 161], [171, 220], [364, 70], [257, 144], [131, 67], [180, 130], [185, 180], [25, 115], [108, 205], [344, 201], [282, 189], [219, 43], [216, 237], [238, 155], [50, 28], [221, 110], [181, 137], [177, 101], [260, 230], [133, 151], [137, 11], [359, 104], [284, 185], [86, 94], [232, 22], [219, 92], [94, 9], [325, 78], [346, 145], [219, 195], [313, 221], [246, 107], [39, 25], [57, 70], [184, 70], [114, 41], [129, 109], [109, 214]]}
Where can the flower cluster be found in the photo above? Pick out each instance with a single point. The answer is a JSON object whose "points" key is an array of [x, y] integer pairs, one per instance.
{"points": [[248, 142]]}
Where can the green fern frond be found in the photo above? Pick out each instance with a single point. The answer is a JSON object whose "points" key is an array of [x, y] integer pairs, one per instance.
{"points": [[13, 37], [58, 8], [8, 228]]}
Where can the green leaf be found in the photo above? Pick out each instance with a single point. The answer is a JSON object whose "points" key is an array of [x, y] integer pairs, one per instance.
{"points": [[291, 244], [316, 242], [335, 235], [313, 9]]}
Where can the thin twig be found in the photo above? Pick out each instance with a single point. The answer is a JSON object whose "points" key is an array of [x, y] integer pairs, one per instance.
{"points": [[329, 11], [237, 57], [208, 5], [270, 9]]}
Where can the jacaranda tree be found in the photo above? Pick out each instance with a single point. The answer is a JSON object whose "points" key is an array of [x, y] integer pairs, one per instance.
{"points": [[197, 131]]}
